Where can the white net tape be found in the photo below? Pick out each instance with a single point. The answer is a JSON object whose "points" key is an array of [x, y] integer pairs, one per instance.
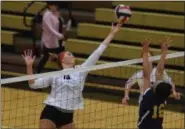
{"points": [[87, 69]]}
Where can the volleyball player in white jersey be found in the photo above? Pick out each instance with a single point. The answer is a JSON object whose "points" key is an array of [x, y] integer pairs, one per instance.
{"points": [[66, 93], [137, 78]]}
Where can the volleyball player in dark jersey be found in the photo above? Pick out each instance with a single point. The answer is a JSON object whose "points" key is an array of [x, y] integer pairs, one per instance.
{"points": [[152, 105]]}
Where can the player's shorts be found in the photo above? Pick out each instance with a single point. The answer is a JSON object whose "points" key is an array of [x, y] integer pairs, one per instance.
{"points": [[150, 127], [56, 116]]}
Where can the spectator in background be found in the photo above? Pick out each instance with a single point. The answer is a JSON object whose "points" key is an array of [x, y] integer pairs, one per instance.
{"points": [[63, 29], [52, 34]]}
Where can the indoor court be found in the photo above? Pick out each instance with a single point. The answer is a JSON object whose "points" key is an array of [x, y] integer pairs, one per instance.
{"points": [[104, 88], [21, 109]]}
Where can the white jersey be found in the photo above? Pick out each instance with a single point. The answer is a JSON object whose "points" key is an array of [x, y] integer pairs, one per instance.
{"points": [[66, 90], [138, 78]]}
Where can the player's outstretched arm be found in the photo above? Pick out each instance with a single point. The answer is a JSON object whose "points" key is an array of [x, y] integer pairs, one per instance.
{"points": [[146, 71], [165, 44], [29, 60], [92, 59], [38, 83], [128, 86], [160, 73], [113, 32]]}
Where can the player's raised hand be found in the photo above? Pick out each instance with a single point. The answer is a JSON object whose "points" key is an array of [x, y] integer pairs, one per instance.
{"points": [[28, 57], [165, 43], [116, 29], [123, 20], [176, 95], [146, 45], [125, 100]]}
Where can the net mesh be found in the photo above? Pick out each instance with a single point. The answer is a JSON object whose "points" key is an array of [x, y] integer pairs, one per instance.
{"points": [[103, 93]]}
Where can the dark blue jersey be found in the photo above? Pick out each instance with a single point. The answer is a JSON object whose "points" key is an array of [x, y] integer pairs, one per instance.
{"points": [[151, 111]]}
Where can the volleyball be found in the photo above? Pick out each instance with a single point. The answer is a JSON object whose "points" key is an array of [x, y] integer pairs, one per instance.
{"points": [[123, 11]]}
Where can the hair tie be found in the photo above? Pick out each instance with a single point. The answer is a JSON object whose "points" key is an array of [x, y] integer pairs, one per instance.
{"points": [[61, 56]]}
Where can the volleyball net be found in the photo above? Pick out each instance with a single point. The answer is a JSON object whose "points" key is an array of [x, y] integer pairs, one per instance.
{"points": [[103, 93]]}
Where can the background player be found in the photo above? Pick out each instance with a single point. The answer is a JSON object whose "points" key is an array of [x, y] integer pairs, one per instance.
{"points": [[137, 78], [151, 108], [66, 92]]}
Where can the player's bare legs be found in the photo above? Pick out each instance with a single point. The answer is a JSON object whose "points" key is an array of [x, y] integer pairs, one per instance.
{"points": [[47, 124], [68, 126]]}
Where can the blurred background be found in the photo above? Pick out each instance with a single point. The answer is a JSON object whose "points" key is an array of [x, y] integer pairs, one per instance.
{"points": [[91, 21]]}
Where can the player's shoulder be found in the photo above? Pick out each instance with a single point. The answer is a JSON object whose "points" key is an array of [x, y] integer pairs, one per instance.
{"points": [[148, 96], [148, 93], [139, 73], [155, 69]]}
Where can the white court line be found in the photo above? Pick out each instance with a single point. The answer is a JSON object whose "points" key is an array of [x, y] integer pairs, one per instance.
{"points": [[87, 69]]}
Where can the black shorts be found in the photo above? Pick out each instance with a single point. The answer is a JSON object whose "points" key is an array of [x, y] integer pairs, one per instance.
{"points": [[150, 127], [56, 116]]}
